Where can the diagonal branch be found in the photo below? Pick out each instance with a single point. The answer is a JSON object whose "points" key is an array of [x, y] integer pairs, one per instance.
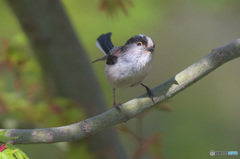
{"points": [[133, 107]]}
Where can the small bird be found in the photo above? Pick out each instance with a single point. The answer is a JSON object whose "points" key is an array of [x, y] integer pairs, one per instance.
{"points": [[127, 65]]}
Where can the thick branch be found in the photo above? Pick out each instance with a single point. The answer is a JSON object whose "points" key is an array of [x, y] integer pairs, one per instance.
{"points": [[132, 108]]}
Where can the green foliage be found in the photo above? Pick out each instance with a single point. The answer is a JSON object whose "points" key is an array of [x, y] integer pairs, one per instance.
{"points": [[12, 152], [4, 138], [80, 151], [23, 95], [22, 91]]}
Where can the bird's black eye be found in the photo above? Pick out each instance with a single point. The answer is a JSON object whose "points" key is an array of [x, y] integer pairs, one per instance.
{"points": [[139, 43]]}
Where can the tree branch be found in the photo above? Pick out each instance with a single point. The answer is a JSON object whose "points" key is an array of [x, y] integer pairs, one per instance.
{"points": [[133, 107]]}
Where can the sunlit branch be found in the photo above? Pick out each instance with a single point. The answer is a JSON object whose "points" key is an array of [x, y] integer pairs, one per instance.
{"points": [[133, 107]]}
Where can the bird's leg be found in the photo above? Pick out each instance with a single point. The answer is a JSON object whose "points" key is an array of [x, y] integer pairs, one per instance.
{"points": [[149, 92], [117, 106]]}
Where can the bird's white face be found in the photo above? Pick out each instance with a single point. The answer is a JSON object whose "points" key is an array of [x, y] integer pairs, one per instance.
{"points": [[140, 44], [150, 43]]}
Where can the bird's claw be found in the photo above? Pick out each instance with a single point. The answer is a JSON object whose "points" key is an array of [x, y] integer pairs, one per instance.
{"points": [[151, 95], [117, 106]]}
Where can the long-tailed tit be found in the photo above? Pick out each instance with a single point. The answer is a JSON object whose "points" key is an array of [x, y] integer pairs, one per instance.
{"points": [[127, 65]]}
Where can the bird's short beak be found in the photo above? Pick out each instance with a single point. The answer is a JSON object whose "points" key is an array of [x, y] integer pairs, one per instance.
{"points": [[150, 49]]}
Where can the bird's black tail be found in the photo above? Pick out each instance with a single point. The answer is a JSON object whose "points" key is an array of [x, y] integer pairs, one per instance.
{"points": [[104, 43]]}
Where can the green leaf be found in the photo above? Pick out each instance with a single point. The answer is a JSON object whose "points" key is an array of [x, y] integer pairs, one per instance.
{"points": [[12, 152], [7, 154], [4, 138], [2, 133]]}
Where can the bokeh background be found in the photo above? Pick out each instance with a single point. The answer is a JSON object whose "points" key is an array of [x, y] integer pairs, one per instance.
{"points": [[204, 117]]}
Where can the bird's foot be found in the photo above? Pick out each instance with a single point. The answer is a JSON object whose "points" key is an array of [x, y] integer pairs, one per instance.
{"points": [[117, 106], [149, 92], [150, 95]]}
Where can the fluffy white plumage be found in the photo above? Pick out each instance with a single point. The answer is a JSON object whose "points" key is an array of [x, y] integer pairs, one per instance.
{"points": [[127, 65], [132, 67]]}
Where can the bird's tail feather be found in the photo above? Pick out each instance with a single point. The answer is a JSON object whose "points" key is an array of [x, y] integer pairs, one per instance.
{"points": [[104, 43]]}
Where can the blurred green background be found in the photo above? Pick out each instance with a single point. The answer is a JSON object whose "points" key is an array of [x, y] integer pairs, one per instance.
{"points": [[205, 116]]}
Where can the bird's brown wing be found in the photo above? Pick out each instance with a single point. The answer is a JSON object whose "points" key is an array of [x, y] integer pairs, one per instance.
{"points": [[112, 57]]}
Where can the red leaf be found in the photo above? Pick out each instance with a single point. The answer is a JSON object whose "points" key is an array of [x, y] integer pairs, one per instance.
{"points": [[2, 147], [110, 6], [54, 108], [145, 145]]}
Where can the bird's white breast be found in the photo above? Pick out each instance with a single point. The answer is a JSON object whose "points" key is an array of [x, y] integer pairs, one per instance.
{"points": [[129, 70]]}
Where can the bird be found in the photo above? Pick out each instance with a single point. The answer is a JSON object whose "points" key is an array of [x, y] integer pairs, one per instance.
{"points": [[127, 65]]}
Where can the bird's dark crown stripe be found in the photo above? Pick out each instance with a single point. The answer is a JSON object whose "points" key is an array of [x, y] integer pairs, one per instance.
{"points": [[136, 39]]}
